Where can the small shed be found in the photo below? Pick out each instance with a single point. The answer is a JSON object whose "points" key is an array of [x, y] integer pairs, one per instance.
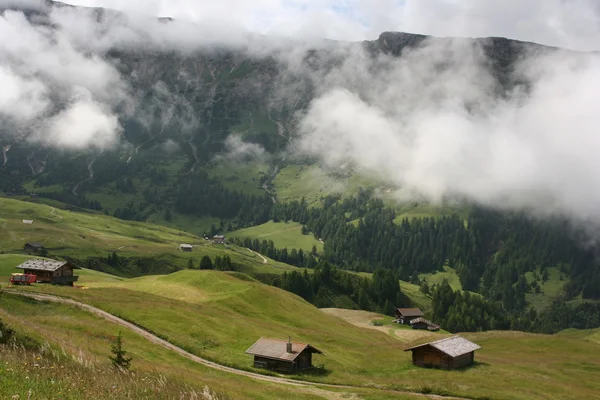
{"points": [[50, 271], [33, 247], [28, 221], [185, 247], [449, 353], [424, 324], [405, 315], [279, 355], [218, 239]]}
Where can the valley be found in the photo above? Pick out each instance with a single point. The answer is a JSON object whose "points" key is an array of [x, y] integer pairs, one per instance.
{"points": [[217, 315], [189, 189]]}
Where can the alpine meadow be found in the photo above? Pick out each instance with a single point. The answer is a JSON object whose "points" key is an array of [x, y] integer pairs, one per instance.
{"points": [[299, 200]]}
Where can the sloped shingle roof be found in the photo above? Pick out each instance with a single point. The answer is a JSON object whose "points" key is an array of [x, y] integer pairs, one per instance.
{"points": [[453, 346], [38, 264], [276, 349], [430, 325], [410, 312]]}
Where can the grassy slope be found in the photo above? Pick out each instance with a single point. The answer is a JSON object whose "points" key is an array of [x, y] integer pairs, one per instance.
{"points": [[438, 278], [282, 234], [88, 339], [67, 233], [83, 235], [219, 315], [550, 290]]}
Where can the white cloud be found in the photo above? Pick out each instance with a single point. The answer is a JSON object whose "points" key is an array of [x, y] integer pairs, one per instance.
{"points": [[240, 150], [41, 71], [441, 134], [572, 24], [83, 124], [21, 99]]}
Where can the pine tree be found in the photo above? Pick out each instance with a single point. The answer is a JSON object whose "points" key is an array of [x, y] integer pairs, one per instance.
{"points": [[119, 360], [191, 264], [206, 263]]}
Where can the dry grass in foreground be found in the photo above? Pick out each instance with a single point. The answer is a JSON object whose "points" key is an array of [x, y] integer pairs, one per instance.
{"points": [[48, 374]]}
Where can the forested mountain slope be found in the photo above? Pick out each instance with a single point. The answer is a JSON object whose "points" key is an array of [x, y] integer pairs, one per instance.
{"points": [[206, 128]]}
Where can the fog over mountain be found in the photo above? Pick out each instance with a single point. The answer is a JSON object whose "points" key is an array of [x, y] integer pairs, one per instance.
{"points": [[501, 123]]}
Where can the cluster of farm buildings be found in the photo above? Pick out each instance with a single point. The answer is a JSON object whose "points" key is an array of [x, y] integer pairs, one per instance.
{"points": [[276, 354], [291, 357]]}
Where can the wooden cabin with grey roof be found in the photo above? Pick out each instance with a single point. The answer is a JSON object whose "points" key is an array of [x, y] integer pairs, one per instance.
{"points": [[50, 271], [449, 353]]}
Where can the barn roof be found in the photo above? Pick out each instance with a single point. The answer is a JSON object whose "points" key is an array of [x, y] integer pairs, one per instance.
{"points": [[421, 319], [38, 264], [276, 349], [35, 244], [410, 312], [453, 346], [185, 245]]}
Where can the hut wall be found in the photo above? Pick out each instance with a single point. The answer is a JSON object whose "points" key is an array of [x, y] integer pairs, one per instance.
{"points": [[464, 360], [420, 325], [273, 365], [304, 360], [431, 357], [42, 276]]}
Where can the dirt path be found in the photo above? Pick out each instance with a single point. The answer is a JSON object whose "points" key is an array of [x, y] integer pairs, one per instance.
{"points": [[264, 259], [54, 213], [313, 387]]}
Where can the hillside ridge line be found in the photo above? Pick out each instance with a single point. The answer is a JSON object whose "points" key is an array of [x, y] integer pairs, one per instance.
{"points": [[157, 340]]}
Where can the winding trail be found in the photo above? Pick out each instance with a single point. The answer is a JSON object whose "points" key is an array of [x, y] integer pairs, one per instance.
{"points": [[317, 388], [260, 255]]}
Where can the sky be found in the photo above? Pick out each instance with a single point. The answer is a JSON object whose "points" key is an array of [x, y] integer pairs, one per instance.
{"points": [[573, 24]]}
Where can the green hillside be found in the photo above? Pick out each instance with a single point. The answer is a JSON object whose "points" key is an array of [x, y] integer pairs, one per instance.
{"points": [[283, 234], [438, 277], [82, 235], [80, 342], [218, 315]]}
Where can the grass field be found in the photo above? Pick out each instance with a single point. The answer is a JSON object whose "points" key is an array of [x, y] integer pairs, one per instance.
{"points": [[366, 319], [438, 277], [309, 181], [418, 210], [282, 234], [68, 233], [240, 176], [549, 290], [87, 339], [218, 315]]}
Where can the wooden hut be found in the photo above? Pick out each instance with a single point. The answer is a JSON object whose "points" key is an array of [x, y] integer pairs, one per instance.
{"points": [[50, 271], [279, 355], [33, 247], [185, 247], [219, 239], [424, 324], [405, 315], [449, 353]]}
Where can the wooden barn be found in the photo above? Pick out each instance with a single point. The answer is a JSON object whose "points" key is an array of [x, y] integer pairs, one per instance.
{"points": [[449, 353], [218, 239], [424, 324], [405, 315], [281, 356], [50, 271], [185, 247], [33, 247]]}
